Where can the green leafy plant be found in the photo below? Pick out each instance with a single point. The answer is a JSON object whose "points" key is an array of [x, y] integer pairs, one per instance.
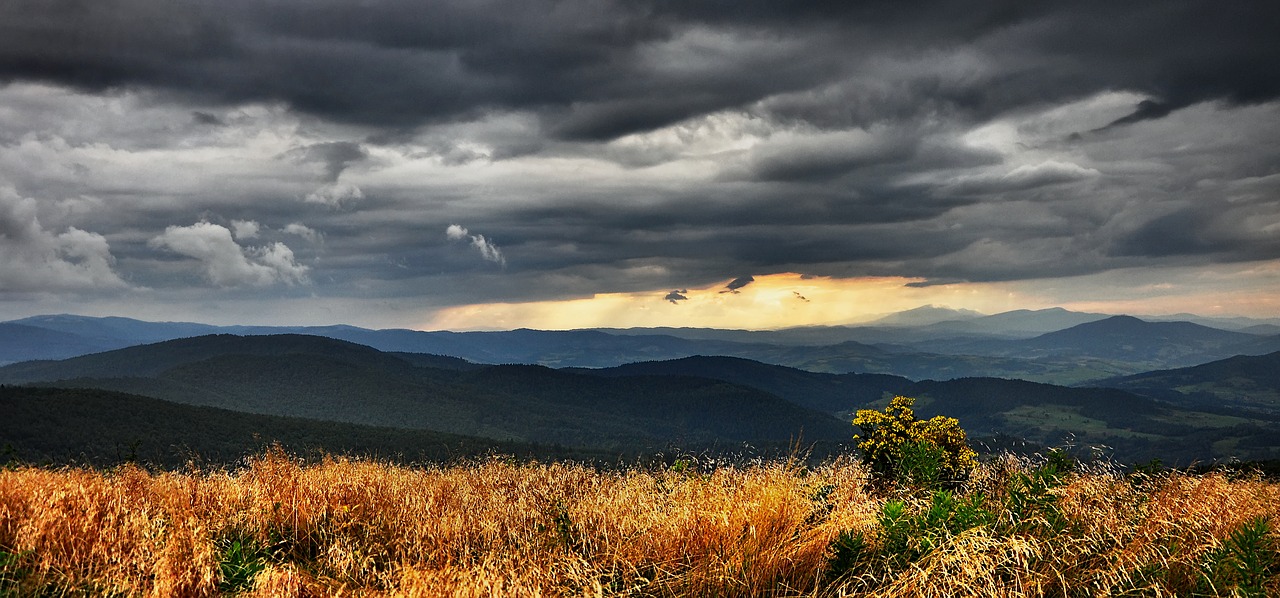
{"points": [[243, 558], [849, 552], [903, 536], [1244, 562], [1031, 503], [11, 573]]}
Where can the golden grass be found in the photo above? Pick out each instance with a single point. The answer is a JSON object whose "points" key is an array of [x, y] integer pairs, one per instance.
{"points": [[495, 528]]}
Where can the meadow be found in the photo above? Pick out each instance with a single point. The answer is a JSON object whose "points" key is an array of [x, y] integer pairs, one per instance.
{"points": [[278, 526]]}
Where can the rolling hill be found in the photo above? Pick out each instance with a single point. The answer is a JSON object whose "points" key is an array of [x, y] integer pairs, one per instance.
{"points": [[103, 428], [1247, 382], [1117, 422], [326, 379]]}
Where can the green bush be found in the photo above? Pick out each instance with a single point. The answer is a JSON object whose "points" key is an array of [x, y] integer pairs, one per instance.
{"points": [[898, 447]]}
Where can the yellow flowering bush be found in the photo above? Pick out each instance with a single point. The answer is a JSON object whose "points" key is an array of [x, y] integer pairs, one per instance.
{"points": [[897, 446]]}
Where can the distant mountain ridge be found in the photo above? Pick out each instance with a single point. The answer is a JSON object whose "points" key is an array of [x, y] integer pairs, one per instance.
{"points": [[689, 402], [926, 315], [1001, 345]]}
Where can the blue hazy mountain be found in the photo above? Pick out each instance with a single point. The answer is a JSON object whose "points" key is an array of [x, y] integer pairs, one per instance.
{"points": [[994, 346]]}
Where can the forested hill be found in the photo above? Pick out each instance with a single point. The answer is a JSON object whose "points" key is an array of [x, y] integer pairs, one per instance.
{"points": [[326, 379], [98, 427]]}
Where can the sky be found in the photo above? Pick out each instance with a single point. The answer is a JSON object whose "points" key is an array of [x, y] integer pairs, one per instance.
{"points": [[485, 164]]}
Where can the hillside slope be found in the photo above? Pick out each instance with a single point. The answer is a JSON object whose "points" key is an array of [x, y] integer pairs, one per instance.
{"points": [[326, 379], [98, 427], [1244, 381]]}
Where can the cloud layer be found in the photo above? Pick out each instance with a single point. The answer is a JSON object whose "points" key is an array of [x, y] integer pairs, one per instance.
{"points": [[627, 147]]}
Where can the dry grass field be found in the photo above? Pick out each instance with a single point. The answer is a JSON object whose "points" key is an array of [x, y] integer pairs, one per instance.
{"points": [[279, 527]]}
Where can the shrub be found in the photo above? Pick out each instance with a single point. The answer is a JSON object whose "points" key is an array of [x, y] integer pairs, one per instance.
{"points": [[925, 453]]}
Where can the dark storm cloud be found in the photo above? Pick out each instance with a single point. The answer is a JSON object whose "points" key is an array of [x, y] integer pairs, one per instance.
{"points": [[675, 297], [597, 70], [842, 137], [738, 283], [205, 118]]}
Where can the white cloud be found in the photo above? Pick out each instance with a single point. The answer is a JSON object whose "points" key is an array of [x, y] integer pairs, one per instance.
{"points": [[304, 231], [33, 259], [225, 262], [1027, 176], [335, 195], [245, 229], [488, 250]]}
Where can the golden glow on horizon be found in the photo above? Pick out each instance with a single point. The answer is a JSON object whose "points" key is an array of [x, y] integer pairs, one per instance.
{"points": [[774, 301], [770, 302]]}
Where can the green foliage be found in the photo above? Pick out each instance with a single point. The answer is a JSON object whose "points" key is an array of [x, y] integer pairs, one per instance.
{"points": [[1245, 560], [560, 529], [904, 537], [849, 554], [923, 453], [11, 574], [1031, 503], [242, 560]]}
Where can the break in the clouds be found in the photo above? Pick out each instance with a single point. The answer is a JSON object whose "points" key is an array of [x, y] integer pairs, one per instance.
{"points": [[626, 147]]}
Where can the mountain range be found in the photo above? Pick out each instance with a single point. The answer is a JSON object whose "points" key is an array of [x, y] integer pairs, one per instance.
{"points": [[715, 402], [988, 346]]}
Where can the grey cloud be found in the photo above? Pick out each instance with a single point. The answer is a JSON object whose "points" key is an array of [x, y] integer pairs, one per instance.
{"points": [[335, 195], [1146, 110], [304, 231], [205, 118], [597, 70], [675, 297], [1218, 230], [857, 159], [738, 283], [1024, 177], [334, 156], [34, 259], [827, 155]]}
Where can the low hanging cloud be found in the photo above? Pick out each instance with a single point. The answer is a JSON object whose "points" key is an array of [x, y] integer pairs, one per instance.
{"points": [[675, 297], [226, 263], [34, 259], [487, 249]]}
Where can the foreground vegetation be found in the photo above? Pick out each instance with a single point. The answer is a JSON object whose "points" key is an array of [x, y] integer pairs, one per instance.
{"points": [[280, 527]]}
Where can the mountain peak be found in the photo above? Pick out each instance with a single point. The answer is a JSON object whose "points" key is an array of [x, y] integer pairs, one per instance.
{"points": [[925, 315]]}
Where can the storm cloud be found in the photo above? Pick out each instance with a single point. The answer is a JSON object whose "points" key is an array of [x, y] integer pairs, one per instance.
{"points": [[618, 147]]}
